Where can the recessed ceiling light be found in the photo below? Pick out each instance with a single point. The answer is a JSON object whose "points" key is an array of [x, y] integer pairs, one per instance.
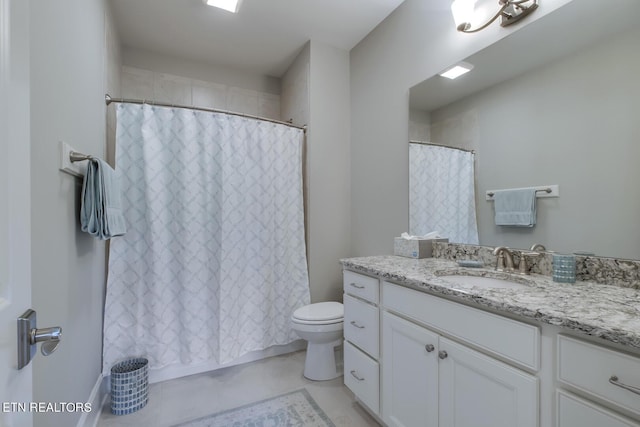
{"points": [[457, 70], [230, 5]]}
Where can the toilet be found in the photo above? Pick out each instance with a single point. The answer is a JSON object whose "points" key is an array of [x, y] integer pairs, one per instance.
{"points": [[321, 325]]}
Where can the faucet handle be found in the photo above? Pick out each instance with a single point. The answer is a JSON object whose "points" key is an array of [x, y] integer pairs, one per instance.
{"points": [[523, 268]]}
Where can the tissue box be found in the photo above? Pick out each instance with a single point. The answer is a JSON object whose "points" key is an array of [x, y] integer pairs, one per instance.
{"points": [[414, 248]]}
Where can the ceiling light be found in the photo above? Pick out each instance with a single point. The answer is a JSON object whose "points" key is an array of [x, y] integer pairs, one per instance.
{"points": [[230, 5], [457, 70], [510, 12]]}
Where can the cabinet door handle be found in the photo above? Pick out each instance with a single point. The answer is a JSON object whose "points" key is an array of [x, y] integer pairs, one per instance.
{"points": [[354, 323], [355, 375], [442, 354], [429, 348], [614, 380], [356, 285]]}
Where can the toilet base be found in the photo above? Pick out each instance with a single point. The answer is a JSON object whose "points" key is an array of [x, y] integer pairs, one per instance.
{"points": [[320, 363]]}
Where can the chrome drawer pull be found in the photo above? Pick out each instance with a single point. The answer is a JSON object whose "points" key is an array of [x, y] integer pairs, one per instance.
{"points": [[356, 286], [429, 348], [355, 375], [614, 380], [353, 322], [442, 354]]}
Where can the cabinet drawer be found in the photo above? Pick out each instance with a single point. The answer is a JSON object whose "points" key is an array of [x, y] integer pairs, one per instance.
{"points": [[515, 341], [589, 367], [362, 376], [574, 412], [361, 325], [362, 286]]}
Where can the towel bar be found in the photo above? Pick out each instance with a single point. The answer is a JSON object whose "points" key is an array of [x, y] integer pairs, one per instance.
{"points": [[542, 191], [491, 193], [74, 156]]}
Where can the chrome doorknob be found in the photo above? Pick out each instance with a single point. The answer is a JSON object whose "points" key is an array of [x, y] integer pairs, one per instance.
{"points": [[429, 348], [29, 336], [49, 337], [443, 354]]}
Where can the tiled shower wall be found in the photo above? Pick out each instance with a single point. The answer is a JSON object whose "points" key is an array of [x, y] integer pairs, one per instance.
{"points": [[144, 84]]}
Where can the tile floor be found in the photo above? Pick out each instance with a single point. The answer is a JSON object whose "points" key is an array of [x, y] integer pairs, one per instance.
{"points": [[175, 401]]}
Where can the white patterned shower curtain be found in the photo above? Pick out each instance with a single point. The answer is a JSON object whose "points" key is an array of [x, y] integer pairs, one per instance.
{"points": [[441, 193], [214, 259]]}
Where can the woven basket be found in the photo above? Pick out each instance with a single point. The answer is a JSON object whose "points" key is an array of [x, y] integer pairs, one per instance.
{"points": [[129, 386]]}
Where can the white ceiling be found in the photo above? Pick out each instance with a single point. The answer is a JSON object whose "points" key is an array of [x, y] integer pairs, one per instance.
{"points": [[264, 37]]}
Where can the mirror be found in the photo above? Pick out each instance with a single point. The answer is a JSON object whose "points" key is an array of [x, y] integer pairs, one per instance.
{"points": [[554, 103]]}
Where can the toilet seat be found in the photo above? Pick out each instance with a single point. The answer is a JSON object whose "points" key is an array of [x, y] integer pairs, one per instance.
{"points": [[322, 313], [316, 322]]}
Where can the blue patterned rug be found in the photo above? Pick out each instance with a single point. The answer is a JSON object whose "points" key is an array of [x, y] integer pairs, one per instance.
{"points": [[294, 409]]}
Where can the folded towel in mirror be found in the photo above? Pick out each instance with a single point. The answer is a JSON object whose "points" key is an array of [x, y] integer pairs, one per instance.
{"points": [[516, 208]]}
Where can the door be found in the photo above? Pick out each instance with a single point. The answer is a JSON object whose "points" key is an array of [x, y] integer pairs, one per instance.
{"points": [[409, 373], [478, 391], [15, 194]]}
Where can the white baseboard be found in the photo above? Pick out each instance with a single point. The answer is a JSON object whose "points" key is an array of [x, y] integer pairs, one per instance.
{"points": [[96, 398]]}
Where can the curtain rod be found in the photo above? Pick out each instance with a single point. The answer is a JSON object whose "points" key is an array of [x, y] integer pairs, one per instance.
{"points": [[442, 145], [108, 99]]}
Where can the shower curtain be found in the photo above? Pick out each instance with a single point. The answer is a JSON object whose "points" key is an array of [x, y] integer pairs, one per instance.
{"points": [[214, 259], [441, 193]]}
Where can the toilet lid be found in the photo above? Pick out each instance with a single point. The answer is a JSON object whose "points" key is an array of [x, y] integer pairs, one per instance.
{"points": [[320, 311]]}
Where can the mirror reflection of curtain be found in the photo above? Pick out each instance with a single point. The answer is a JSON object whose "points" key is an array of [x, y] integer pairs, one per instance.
{"points": [[441, 193]]}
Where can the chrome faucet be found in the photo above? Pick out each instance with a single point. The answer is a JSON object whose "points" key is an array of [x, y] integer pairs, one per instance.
{"points": [[538, 247], [505, 258]]}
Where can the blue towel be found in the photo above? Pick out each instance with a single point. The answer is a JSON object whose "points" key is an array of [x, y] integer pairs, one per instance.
{"points": [[516, 208], [101, 210]]}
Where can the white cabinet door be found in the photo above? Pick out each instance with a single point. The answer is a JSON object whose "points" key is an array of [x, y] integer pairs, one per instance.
{"points": [[576, 412], [409, 374], [478, 391]]}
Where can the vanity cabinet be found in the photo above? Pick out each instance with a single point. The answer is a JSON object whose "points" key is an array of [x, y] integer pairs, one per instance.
{"points": [[417, 358], [430, 380], [361, 335]]}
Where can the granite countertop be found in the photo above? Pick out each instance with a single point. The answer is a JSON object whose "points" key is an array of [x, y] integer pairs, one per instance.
{"points": [[609, 312]]}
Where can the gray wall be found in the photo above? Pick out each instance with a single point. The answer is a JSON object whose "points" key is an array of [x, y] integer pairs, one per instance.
{"points": [[68, 63], [573, 123], [328, 162], [415, 42], [294, 98], [195, 70]]}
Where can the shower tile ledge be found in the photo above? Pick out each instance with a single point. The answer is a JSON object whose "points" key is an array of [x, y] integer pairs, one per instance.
{"points": [[608, 312]]}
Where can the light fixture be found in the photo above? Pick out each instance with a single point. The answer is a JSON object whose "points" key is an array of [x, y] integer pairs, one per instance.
{"points": [[457, 70], [229, 5], [510, 12]]}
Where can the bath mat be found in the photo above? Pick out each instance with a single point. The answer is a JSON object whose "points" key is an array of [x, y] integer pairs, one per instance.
{"points": [[294, 409]]}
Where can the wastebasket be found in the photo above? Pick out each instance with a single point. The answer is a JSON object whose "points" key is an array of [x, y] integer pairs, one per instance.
{"points": [[129, 386]]}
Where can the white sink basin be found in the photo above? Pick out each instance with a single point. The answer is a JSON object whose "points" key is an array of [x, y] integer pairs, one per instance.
{"points": [[482, 282]]}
